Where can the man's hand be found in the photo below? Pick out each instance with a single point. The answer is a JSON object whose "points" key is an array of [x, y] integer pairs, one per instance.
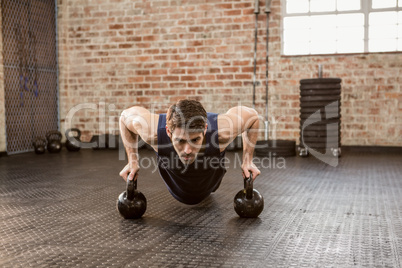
{"points": [[248, 168], [130, 171]]}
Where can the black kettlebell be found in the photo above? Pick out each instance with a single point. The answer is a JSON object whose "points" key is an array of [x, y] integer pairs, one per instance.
{"points": [[39, 144], [131, 204], [248, 203], [73, 142], [53, 141]]}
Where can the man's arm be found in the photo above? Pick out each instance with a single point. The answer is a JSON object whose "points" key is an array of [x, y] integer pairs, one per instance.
{"points": [[240, 120], [135, 122]]}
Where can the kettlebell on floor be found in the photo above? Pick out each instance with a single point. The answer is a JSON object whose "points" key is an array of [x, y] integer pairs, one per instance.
{"points": [[73, 142], [40, 145], [54, 141], [248, 203], [131, 203]]}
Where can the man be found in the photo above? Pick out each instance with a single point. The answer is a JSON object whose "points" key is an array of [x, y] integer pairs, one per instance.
{"points": [[190, 145]]}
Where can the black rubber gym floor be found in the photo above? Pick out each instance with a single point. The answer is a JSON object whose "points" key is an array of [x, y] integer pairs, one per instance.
{"points": [[59, 210]]}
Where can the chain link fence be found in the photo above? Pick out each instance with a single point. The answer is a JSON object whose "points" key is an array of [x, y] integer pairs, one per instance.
{"points": [[30, 71]]}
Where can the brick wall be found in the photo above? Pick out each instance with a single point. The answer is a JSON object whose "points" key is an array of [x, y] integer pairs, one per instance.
{"points": [[2, 102], [119, 53]]}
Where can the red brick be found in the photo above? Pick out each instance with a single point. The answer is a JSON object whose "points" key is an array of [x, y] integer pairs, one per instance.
{"points": [[196, 57], [224, 76], [187, 92], [142, 86], [196, 84], [169, 92], [224, 6], [186, 36], [204, 21], [196, 29], [205, 91], [143, 99], [243, 76], [118, 80], [150, 24], [150, 38], [125, 46], [187, 50], [177, 85], [230, 69], [223, 20], [244, 20], [193, 15], [151, 51], [119, 93], [153, 78], [214, 70], [142, 72], [125, 86], [178, 57], [235, 84], [169, 65], [207, 77], [153, 92], [159, 85], [169, 51], [162, 58], [177, 71], [186, 9], [232, 13], [92, 60], [194, 43], [136, 79], [143, 58], [116, 26], [171, 78], [195, 71], [186, 64], [188, 78], [242, 5], [159, 72], [214, 84], [133, 25]]}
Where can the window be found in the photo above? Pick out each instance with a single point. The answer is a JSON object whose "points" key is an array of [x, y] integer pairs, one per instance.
{"points": [[341, 26]]}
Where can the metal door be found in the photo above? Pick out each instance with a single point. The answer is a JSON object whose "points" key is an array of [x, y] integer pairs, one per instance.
{"points": [[30, 71]]}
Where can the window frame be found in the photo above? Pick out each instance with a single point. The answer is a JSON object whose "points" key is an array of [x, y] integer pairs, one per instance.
{"points": [[365, 9]]}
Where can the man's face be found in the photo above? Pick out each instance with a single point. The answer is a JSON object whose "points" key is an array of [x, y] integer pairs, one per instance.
{"points": [[186, 143]]}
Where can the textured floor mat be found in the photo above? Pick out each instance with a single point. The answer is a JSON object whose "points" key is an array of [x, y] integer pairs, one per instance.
{"points": [[59, 210]]}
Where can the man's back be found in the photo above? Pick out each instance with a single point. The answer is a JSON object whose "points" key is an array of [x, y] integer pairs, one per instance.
{"points": [[191, 183]]}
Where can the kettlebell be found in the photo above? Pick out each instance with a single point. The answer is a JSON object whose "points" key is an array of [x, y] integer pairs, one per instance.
{"points": [[73, 143], [39, 144], [53, 141], [131, 204], [248, 203]]}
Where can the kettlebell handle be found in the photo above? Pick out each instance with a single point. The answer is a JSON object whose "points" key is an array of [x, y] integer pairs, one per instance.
{"points": [[53, 133], [131, 188], [68, 131], [248, 186], [39, 141]]}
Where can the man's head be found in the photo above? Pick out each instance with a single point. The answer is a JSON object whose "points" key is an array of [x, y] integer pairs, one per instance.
{"points": [[186, 125]]}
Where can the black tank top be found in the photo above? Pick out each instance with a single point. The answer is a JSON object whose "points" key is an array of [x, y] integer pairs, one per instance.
{"points": [[190, 184]]}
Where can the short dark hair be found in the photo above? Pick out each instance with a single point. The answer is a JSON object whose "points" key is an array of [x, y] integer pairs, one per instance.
{"points": [[188, 114]]}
